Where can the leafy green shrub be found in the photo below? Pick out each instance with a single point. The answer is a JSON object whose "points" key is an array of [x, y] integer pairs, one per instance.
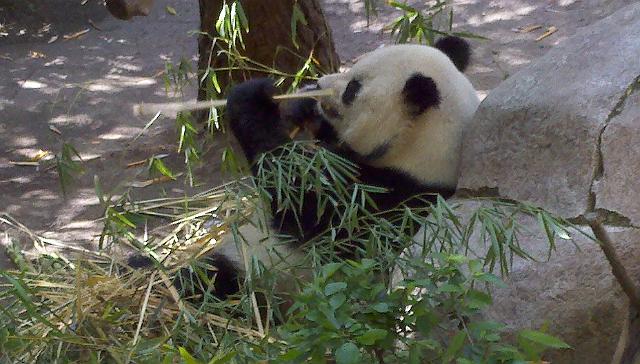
{"points": [[100, 309]]}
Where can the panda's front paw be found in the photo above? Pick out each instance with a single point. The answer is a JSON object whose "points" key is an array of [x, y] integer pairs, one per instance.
{"points": [[252, 99], [254, 118], [300, 112]]}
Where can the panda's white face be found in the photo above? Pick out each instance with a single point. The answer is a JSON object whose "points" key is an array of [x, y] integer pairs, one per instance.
{"points": [[370, 111]]}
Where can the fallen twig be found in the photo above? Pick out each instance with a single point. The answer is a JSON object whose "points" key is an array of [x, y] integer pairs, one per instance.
{"points": [[549, 31], [76, 34], [24, 163], [94, 25], [529, 28]]}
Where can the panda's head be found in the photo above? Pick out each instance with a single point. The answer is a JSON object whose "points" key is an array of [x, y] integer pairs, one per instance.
{"points": [[404, 107]]}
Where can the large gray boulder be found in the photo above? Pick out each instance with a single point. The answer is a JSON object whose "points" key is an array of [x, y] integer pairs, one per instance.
{"points": [[537, 136], [564, 134]]}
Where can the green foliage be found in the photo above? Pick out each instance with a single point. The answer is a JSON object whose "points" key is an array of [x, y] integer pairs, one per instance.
{"points": [[188, 143], [428, 318], [232, 21], [348, 312], [415, 24], [289, 172], [421, 24], [433, 315], [158, 168], [67, 167], [176, 77]]}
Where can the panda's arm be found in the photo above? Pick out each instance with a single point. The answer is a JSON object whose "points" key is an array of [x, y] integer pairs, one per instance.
{"points": [[254, 118]]}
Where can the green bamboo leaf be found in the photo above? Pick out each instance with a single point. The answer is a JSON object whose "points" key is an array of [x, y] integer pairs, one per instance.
{"points": [[214, 81], [171, 11], [25, 297], [188, 359], [244, 22], [454, 347], [348, 353], [220, 23], [297, 16], [544, 339], [370, 337], [223, 359], [158, 165], [335, 287]]}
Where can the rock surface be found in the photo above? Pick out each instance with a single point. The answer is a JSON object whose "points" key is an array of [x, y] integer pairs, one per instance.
{"points": [[620, 180], [574, 294], [563, 134], [536, 136]]}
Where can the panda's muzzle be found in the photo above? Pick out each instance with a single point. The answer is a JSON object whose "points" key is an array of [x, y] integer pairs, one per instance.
{"points": [[324, 107], [328, 110]]}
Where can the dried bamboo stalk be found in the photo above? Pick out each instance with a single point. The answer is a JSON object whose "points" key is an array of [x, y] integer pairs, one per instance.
{"points": [[172, 108]]}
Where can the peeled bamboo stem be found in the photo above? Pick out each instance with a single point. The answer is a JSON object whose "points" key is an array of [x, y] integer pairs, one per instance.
{"points": [[172, 108]]}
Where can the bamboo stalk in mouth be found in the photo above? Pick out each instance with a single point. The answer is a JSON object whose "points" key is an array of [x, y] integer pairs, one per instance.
{"points": [[172, 108]]}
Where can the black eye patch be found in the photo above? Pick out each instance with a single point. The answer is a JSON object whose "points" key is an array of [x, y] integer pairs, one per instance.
{"points": [[420, 93], [351, 91]]}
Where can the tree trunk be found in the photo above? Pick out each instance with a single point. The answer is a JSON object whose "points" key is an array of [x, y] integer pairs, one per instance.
{"points": [[269, 40]]}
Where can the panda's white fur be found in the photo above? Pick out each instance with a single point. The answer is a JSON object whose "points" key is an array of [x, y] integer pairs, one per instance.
{"points": [[254, 241], [425, 147]]}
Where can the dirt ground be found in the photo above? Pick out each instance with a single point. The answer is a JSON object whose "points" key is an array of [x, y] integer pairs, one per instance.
{"points": [[39, 20], [85, 88]]}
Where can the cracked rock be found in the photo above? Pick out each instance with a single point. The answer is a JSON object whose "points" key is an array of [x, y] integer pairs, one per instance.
{"points": [[619, 187], [564, 134], [573, 293], [535, 137]]}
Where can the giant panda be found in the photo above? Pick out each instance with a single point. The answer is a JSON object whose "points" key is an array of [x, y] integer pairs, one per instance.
{"points": [[398, 114]]}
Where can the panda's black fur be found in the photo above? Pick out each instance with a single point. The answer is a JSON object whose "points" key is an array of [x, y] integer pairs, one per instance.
{"points": [[259, 126], [457, 49]]}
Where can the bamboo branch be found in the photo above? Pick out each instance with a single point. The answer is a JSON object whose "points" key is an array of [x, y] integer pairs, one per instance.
{"points": [[172, 108], [628, 348], [628, 285]]}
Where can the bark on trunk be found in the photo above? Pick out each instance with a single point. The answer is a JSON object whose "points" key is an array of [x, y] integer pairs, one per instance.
{"points": [[269, 40]]}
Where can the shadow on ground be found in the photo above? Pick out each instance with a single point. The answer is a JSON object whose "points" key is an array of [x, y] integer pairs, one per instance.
{"points": [[85, 88], [38, 20]]}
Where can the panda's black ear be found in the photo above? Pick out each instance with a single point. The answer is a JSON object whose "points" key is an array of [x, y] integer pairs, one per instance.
{"points": [[420, 93], [457, 49]]}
